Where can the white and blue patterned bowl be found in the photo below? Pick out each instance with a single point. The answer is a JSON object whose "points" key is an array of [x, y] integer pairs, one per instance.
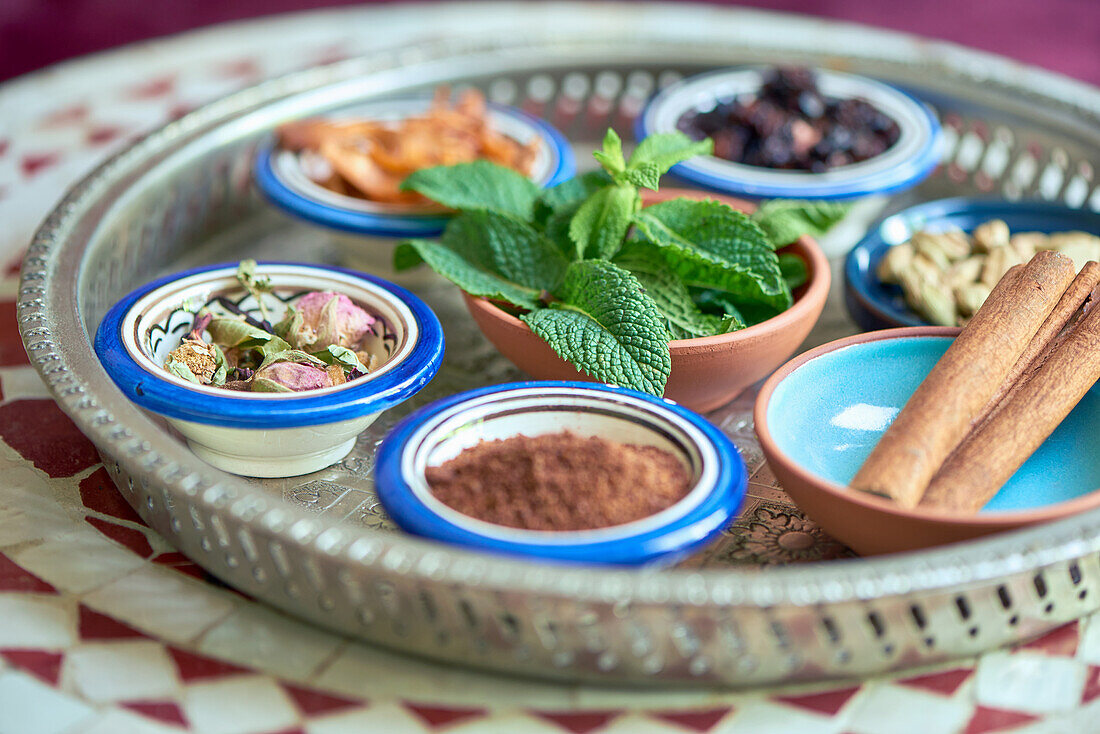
{"points": [[438, 432], [266, 434], [280, 176], [905, 164]]}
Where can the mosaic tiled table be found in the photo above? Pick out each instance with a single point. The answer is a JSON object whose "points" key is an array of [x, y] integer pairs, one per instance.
{"points": [[105, 628]]}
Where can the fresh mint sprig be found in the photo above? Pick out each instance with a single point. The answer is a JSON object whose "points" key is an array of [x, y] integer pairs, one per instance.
{"points": [[604, 282]]}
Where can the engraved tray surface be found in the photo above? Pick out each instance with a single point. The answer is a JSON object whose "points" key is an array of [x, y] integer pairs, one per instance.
{"points": [[747, 609]]}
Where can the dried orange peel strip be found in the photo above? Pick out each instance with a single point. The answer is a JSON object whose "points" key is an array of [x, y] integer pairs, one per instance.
{"points": [[369, 159]]}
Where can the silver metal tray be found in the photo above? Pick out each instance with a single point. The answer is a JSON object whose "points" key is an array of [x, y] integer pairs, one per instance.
{"points": [[319, 546]]}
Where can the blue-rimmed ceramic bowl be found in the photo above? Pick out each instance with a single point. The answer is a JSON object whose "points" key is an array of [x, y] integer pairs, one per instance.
{"points": [[905, 164], [267, 434], [438, 432], [280, 176], [877, 305], [819, 416]]}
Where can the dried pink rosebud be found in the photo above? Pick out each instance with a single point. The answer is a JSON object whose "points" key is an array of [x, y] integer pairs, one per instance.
{"points": [[331, 318], [293, 376]]}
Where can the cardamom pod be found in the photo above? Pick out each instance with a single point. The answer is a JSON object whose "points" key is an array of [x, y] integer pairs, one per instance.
{"points": [[991, 235], [895, 262]]}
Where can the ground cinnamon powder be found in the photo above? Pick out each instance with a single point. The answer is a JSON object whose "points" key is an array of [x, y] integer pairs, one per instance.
{"points": [[559, 481]]}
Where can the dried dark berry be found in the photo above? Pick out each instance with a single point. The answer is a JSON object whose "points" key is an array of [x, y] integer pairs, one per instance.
{"points": [[789, 124]]}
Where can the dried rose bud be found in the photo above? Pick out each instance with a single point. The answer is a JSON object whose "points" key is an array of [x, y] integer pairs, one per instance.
{"points": [[291, 376], [330, 318]]}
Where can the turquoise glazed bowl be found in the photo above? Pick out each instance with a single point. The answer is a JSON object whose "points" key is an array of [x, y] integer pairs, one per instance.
{"points": [[820, 415]]}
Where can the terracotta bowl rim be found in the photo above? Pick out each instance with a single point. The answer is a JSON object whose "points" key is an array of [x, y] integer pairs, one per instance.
{"points": [[816, 291], [841, 493]]}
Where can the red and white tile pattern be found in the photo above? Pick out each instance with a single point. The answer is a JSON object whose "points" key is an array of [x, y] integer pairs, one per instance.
{"points": [[105, 629]]}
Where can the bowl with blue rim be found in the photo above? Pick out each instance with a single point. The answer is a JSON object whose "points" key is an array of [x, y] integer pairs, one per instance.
{"points": [[283, 178], [440, 431], [905, 163], [874, 304], [267, 434]]}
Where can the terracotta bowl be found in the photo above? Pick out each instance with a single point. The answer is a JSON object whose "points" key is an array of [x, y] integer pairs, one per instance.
{"points": [[820, 414], [707, 372]]}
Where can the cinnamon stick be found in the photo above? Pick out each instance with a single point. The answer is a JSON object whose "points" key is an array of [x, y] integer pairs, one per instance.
{"points": [[994, 451], [941, 411], [1069, 309]]}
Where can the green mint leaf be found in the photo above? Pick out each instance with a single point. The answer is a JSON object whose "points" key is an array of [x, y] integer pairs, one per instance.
{"points": [[647, 175], [717, 303], [179, 369], [476, 185], [785, 220], [607, 327], [599, 226], [557, 227], [611, 157], [660, 283], [794, 269], [664, 150], [474, 278], [229, 332], [342, 356], [492, 255], [406, 257], [710, 245], [569, 194]]}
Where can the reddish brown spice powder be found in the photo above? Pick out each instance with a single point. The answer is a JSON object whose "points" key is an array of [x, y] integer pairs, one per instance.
{"points": [[559, 481]]}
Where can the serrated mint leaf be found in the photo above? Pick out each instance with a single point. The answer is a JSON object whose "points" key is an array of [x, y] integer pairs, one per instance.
{"points": [[474, 278], [785, 220], [569, 194], [556, 230], [476, 185], [607, 327], [611, 157], [491, 255], [647, 175], [794, 269], [673, 299], [664, 150], [405, 257], [717, 303], [599, 226], [710, 245], [506, 246]]}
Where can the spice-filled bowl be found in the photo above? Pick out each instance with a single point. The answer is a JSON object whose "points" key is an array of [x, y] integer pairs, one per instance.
{"points": [[819, 416], [707, 372], [797, 133], [963, 252], [359, 198], [291, 413], [624, 427]]}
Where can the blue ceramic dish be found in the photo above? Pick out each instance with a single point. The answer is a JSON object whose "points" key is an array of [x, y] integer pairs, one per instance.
{"points": [[438, 432], [821, 414], [877, 305], [280, 177], [267, 434], [908, 162]]}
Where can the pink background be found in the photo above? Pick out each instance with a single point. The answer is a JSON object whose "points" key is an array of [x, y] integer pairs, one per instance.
{"points": [[1062, 35]]}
